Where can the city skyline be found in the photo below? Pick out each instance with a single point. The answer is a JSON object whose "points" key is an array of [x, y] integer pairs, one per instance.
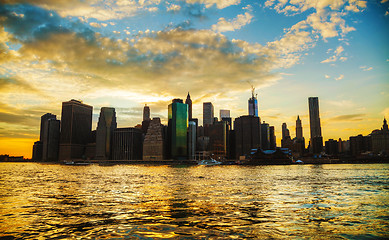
{"points": [[114, 54]]}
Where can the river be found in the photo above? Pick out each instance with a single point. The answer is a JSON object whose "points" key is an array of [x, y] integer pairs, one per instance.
{"points": [[336, 201]]}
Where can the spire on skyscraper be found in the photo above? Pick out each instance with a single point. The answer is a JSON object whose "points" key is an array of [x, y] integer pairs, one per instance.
{"points": [[189, 102]]}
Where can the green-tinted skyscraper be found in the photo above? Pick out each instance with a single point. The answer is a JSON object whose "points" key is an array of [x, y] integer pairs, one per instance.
{"points": [[178, 125]]}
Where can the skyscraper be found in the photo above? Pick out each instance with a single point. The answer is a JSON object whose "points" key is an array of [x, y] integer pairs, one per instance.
{"points": [[247, 134], [127, 144], [265, 136], [208, 114], [224, 113], [253, 104], [146, 113], [192, 140], [272, 138], [285, 131], [44, 118], [76, 125], [316, 141], [188, 101], [50, 139], [153, 145], [178, 125], [299, 128], [106, 125]]}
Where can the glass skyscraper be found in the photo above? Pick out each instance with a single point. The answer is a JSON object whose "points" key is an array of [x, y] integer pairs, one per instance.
{"points": [[106, 125], [314, 124], [178, 125]]}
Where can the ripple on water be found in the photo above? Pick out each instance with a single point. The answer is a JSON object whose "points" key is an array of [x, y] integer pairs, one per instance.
{"points": [[314, 202]]}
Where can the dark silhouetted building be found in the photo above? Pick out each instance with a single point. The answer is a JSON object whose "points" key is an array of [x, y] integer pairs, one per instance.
{"points": [[208, 114], [76, 125], [299, 141], [192, 140], [286, 141], [380, 139], [153, 145], [37, 151], [127, 144], [265, 136], [50, 140], [188, 102], [332, 147], [146, 113], [105, 127], [316, 141], [247, 134], [217, 133], [272, 135], [360, 144], [178, 127]]}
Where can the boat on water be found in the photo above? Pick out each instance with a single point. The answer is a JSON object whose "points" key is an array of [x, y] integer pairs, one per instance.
{"points": [[209, 162]]}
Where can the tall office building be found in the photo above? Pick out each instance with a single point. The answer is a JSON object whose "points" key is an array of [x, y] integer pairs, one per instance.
{"points": [[208, 114], [247, 134], [265, 136], [272, 138], [253, 104], [286, 141], [316, 141], [224, 113], [50, 139], [188, 102], [299, 141], [217, 133], [299, 128], [146, 113], [76, 125], [127, 144], [285, 131], [153, 145], [44, 118], [192, 129], [106, 125], [178, 126]]}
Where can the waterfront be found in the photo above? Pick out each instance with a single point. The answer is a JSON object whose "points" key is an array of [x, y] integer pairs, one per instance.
{"points": [[343, 201]]}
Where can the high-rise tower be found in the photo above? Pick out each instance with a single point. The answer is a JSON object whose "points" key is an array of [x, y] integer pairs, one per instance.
{"points": [[106, 125], [314, 124], [146, 113], [285, 131], [208, 114], [188, 101], [253, 104], [299, 128], [177, 129], [76, 125]]}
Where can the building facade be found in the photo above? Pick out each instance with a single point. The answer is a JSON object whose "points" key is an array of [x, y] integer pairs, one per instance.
{"points": [[208, 113], [247, 134], [50, 140], [265, 136], [188, 102], [127, 144], [105, 127], [146, 113], [153, 144], [76, 125], [178, 126], [192, 140], [316, 141]]}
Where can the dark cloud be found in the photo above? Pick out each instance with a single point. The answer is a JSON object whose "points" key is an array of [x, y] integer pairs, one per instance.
{"points": [[28, 23], [15, 83], [348, 117]]}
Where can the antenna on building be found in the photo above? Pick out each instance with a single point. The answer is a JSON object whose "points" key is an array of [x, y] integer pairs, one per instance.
{"points": [[252, 90]]}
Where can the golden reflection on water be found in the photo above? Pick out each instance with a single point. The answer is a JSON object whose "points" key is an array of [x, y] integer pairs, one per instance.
{"points": [[164, 202]]}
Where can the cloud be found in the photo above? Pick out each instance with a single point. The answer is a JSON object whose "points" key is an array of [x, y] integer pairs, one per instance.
{"points": [[341, 76], [327, 76], [219, 3], [366, 68], [348, 117], [95, 24], [338, 51], [173, 8], [330, 59], [237, 23]]}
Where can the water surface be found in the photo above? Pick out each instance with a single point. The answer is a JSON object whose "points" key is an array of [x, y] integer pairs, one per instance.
{"points": [[218, 202]]}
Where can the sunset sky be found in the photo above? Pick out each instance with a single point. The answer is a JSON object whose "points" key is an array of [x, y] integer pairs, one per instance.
{"points": [[128, 53]]}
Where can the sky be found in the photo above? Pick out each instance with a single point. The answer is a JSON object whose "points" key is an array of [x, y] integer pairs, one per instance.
{"points": [[128, 53]]}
